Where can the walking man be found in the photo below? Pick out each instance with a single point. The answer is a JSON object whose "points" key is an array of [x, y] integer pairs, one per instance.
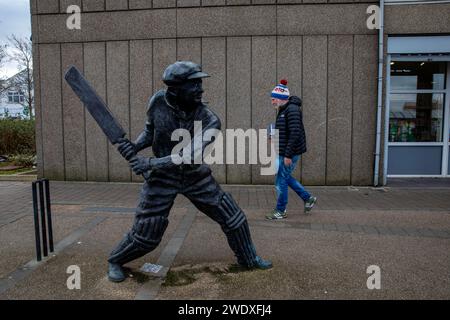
{"points": [[291, 144]]}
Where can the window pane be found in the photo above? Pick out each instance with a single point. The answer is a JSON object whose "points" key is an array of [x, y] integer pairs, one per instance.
{"points": [[416, 117], [417, 75]]}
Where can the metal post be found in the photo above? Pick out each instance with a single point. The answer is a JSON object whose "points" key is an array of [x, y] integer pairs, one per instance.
{"points": [[43, 225], [49, 214], [379, 96], [36, 223]]}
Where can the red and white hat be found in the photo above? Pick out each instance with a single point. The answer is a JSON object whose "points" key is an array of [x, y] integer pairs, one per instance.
{"points": [[281, 91]]}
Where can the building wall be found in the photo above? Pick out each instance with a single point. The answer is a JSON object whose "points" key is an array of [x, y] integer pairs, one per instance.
{"points": [[324, 49], [12, 109]]}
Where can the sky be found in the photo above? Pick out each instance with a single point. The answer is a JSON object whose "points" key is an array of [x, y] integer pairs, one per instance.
{"points": [[14, 18]]}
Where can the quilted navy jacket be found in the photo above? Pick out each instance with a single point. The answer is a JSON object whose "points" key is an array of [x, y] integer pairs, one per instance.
{"points": [[292, 137]]}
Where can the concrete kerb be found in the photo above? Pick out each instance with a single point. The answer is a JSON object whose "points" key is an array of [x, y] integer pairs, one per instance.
{"points": [[21, 178]]}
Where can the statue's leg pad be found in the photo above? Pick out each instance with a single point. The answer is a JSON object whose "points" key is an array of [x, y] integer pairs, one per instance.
{"points": [[220, 206], [145, 236]]}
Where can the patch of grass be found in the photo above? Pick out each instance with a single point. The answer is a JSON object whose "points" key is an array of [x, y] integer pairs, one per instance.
{"points": [[138, 276], [22, 162], [236, 268], [15, 171], [179, 278], [184, 277]]}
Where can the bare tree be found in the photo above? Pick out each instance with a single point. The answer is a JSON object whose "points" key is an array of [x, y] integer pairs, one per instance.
{"points": [[3, 54], [21, 53], [3, 58]]}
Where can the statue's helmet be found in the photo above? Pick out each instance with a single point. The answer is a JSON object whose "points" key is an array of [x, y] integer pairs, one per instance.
{"points": [[182, 71]]}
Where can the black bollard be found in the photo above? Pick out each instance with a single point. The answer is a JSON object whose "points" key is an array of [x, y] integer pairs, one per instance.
{"points": [[42, 220], [49, 214], [36, 223]]}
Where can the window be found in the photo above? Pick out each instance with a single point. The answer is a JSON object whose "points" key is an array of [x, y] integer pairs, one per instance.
{"points": [[15, 97], [418, 105], [417, 101], [417, 75], [411, 1], [416, 117]]}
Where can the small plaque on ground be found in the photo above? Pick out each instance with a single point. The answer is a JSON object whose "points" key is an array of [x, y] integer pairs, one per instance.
{"points": [[151, 268]]}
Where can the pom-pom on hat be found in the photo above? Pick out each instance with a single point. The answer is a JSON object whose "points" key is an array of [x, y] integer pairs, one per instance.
{"points": [[281, 91]]}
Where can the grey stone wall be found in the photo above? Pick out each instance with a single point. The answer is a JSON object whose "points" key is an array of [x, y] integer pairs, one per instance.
{"points": [[323, 49]]}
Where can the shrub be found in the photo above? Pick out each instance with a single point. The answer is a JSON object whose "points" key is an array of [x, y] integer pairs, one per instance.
{"points": [[17, 137], [23, 160]]}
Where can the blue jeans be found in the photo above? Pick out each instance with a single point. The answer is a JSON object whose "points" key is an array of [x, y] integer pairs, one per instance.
{"points": [[284, 179]]}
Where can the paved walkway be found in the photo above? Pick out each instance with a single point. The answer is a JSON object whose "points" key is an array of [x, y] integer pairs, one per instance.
{"points": [[403, 228]]}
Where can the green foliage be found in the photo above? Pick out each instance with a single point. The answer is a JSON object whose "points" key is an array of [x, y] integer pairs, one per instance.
{"points": [[17, 137], [23, 160], [26, 112]]}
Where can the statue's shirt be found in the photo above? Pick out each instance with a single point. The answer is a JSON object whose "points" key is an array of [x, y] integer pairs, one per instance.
{"points": [[163, 119]]}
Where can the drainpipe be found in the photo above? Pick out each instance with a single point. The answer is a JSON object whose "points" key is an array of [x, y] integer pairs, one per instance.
{"points": [[380, 95]]}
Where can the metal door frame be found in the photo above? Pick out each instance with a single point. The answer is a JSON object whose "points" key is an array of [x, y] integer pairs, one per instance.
{"points": [[445, 144]]}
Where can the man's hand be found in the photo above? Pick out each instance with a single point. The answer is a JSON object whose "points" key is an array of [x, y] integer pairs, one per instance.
{"points": [[140, 164], [287, 162], [127, 148]]}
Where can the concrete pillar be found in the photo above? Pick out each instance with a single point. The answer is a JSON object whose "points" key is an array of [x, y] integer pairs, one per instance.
{"points": [[51, 106], [289, 67], [340, 105], [96, 142], [264, 65], [73, 117], [315, 108], [214, 63], [117, 89], [141, 89], [238, 100], [364, 108]]}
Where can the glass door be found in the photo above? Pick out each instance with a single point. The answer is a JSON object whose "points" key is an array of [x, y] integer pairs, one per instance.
{"points": [[418, 125]]}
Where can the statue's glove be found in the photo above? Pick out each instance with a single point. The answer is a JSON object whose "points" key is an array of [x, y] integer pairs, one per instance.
{"points": [[140, 164], [127, 148]]}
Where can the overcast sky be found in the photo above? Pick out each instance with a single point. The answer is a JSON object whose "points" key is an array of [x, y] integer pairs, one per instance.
{"points": [[14, 18]]}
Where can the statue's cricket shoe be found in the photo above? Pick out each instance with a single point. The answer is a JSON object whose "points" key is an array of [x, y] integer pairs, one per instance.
{"points": [[115, 272]]}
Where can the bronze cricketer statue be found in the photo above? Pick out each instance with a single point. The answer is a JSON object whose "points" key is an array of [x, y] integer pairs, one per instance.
{"points": [[168, 110]]}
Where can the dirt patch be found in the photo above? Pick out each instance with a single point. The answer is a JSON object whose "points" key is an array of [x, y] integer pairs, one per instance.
{"points": [[204, 281], [138, 276], [188, 274]]}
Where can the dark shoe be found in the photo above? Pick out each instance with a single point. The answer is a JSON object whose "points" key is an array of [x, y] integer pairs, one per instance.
{"points": [[262, 264], [115, 272], [310, 204], [276, 215]]}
